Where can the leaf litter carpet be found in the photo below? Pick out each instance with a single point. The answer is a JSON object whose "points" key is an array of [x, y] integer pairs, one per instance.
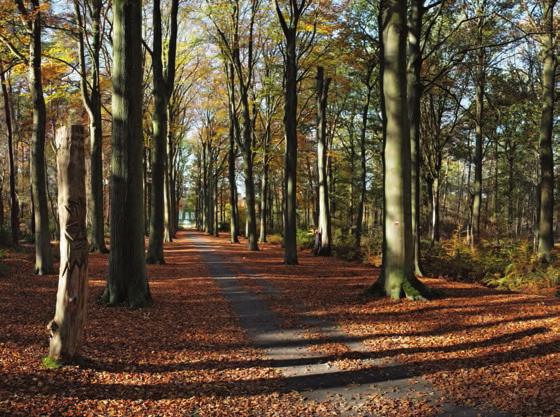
{"points": [[190, 355]]}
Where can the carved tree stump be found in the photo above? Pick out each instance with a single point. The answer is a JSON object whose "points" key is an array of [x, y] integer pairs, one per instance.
{"points": [[66, 329]]}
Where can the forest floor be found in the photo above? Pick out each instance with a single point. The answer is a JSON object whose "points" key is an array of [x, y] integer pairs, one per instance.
{"points": [[233, 332]]}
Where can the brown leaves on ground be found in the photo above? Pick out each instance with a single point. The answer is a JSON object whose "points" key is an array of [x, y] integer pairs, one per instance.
{"points": [[188, 356], [185, 356], [480, 347]]}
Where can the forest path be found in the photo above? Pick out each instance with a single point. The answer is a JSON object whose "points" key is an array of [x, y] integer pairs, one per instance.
{"points": [[306, 370]]}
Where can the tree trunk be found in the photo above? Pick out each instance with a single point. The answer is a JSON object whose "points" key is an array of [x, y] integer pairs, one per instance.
{"points": [[435, 208], [233, 129], [414, 94], [264, 187], [92, 103], [247, 144], [290, 158], [363, 171], [127, 281], [159, 151], [167, 215], [479, 143], [43, 255], [234, 215], [397, 277], [546, 235], [14, 204], [250, 200], [321, 131], [66, 329]]}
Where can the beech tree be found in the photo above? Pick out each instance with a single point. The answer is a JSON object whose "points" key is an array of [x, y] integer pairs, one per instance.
{"points": [[241, 54], [289, 22], [31, 18], [546, 188], [91, 96], [127, 281], [14, 203], [322, 150], [397, 277]]}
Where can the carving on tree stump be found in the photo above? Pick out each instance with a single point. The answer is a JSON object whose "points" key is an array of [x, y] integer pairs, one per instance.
{"points": [[66, 329]]}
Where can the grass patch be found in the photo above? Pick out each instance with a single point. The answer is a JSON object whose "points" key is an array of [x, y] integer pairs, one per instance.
{"points": [[50, 363]]}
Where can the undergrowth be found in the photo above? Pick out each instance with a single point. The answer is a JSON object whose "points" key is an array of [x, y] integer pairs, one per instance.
{"points": [[508, 266]]}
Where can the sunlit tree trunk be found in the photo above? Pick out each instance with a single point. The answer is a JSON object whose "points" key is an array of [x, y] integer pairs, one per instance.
{"points": [[322, 150], [435, 194], [397, 278], [66, 329]]}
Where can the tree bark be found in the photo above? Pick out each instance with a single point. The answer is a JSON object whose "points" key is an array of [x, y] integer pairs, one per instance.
{"points": [[479, 143], [546, 195], [435, 194], [397, 278], [322, 150], [127, 281], [14, 204], [159, 152], [414, 94], [66, 329], [290, 157], [91, 97], [39, 218], [233, 129], [264, 187], [363, 158]]}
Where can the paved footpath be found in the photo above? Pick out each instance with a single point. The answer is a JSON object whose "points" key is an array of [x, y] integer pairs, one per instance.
{"points": [[309, 372]]}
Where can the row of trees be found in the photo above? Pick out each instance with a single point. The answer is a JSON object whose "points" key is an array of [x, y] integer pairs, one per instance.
{"points": [[362, 118]]}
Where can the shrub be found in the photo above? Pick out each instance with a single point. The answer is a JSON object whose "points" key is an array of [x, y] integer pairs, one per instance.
{"points": [[275, 239], [344, 246], [5, 236], [305, 239], [525, 272]]}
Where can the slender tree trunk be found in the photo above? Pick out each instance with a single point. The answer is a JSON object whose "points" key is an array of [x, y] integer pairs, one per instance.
{"points": [[511, 202], [435, 209], [170, 228], [546, 195], [414, 93], [233, 220], [479, 143], [363, 158], [92, 102], [250, 200], [127, 281], [66, 329], [167, 215], [397, 277], [264, 187], [322, 150], [159, 151], [43, 255], [14, 204]]}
